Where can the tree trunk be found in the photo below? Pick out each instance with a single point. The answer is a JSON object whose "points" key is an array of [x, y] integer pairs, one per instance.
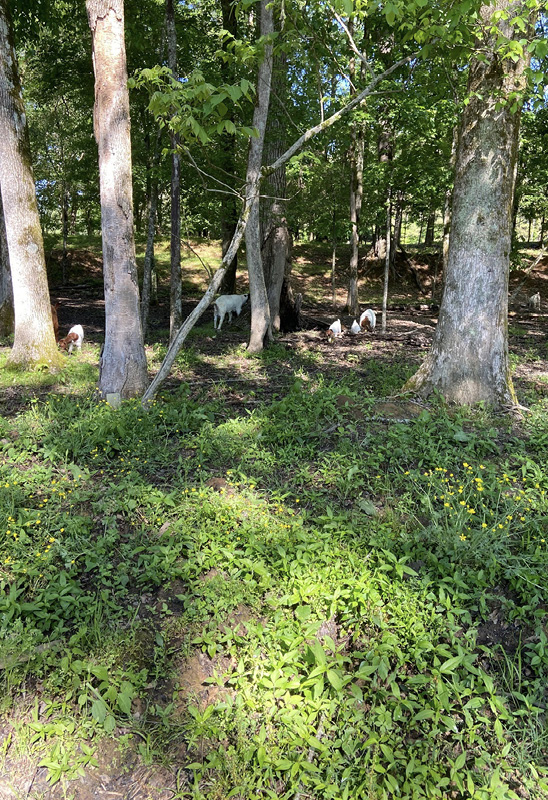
{"points": [[275, 236], [261, 329], [34, 341], [468, 362], [123, 368], [65, 223], [334, 255], [176, 285], [386, 261], [429, 235], [229, 206], [357, 148], [148, 265], [6, 290], [396, 238]]}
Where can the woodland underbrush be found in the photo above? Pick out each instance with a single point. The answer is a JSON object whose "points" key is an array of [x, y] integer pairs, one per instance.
{"points": [[295, 597]]}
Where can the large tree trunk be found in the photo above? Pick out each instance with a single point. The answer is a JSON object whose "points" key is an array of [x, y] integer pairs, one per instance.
{"points": [[176, 299], [229, 206], [123, 368], [34, 342], [261, 329], [468, 362], [6, 290]]}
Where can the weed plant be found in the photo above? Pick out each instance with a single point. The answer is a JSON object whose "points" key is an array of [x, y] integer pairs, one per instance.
{"points": [[332, 573]]}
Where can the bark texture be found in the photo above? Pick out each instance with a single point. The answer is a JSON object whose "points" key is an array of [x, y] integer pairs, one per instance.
{"points": [[123, 368], [468, 362], [275, 236], [34, 342], [176, 299], [260, 312]]}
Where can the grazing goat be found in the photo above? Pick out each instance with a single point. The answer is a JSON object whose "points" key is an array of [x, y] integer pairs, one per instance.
{"points": [[534, 302], [227, 304], [334, 330], [368, 320], [74, 338], [355, 327], [54, 319]]}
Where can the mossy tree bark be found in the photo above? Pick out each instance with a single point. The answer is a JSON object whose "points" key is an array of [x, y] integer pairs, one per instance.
{"points": [[468, 362], [123, 368], [34, 341]]}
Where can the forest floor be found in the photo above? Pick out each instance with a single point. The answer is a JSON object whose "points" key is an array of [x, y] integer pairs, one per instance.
{"points": [[314, 544], [411, 314]]}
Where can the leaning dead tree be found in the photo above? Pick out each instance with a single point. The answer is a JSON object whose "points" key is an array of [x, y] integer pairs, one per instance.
{"points": [[251, 192]]}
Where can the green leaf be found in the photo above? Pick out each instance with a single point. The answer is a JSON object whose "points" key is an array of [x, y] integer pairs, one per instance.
{"points": [[335, 679], [451, 664], [99, 711], [123, 701]]}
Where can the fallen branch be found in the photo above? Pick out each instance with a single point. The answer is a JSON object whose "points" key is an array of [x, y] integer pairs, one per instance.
{"points": [[527, 272]]}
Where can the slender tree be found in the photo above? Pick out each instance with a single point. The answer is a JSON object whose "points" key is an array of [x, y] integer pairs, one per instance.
{"points": [[6, 290], [275, 236], [175, 305], [123, 369], [357, 148], [34, 342], [229, 207], [468, 362], [261, 323]]}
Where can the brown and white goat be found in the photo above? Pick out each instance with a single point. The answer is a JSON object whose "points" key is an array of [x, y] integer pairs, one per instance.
{"points": [[74, 338]]}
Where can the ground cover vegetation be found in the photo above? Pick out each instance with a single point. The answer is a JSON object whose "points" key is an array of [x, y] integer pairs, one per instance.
{"points": [[276, 581], [279, 577]]}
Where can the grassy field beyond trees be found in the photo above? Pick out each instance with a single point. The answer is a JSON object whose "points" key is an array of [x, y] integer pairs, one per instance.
{"points": [[281, 581]]}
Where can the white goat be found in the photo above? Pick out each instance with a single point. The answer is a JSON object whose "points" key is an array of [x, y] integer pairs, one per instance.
{"points": [[74, 338], [534, 302], [227, 304], [368, 320], [334, 330]]}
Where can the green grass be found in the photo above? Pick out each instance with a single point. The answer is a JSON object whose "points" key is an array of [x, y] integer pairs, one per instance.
{"points": [[271, 592], [335, 589]]}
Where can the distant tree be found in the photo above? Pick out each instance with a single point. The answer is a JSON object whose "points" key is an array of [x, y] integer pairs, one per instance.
{"points": [[34, 341], [123, 368], [468, 362], [6, 290], [229, 206], [175, 305], [357, 149]]}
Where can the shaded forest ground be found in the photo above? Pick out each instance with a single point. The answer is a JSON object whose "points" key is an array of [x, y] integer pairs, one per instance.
{"points": [[277, 562], [411, 318]]}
